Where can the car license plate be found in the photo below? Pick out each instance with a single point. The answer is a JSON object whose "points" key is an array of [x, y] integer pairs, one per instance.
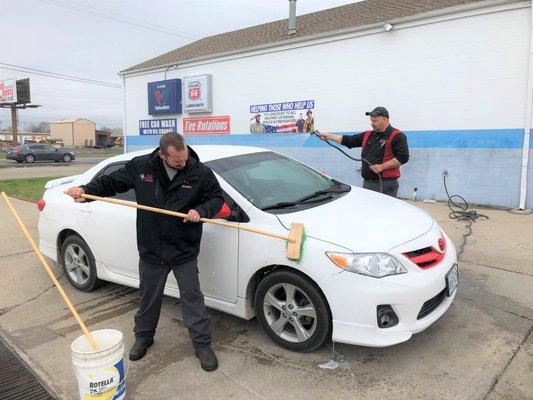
{"points": [[452, 280]]}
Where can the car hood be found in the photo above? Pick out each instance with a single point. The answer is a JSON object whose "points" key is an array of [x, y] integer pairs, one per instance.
{"points": [[363, 221]]}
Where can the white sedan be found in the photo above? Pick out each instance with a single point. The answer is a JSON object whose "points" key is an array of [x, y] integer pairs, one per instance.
{"points": [[374, 270]]}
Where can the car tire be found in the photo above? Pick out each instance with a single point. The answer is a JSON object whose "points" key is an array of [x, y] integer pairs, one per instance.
{"points": [[78, 264], [304, 323], [67, 158], [30, 158]]}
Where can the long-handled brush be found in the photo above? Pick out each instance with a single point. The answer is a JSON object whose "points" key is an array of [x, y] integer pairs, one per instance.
{"points": [[88, 335], [294, 240]]}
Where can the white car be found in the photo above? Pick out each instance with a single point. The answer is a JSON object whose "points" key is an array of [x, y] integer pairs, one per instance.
{"points": [[374, 270]]}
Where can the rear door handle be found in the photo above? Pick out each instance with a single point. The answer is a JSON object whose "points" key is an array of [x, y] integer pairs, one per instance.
{"points": [[86, 209]]}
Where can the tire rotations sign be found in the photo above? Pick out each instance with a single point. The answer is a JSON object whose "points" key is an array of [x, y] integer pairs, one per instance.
{"points": [[206, 125]]}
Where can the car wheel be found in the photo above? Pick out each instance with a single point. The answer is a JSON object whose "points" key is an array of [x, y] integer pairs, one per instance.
{"points": [[67, 158], [78, 264], [29, 158], [292, 311]]}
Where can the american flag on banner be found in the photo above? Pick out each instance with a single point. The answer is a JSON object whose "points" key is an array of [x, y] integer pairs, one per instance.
{"points": [[287, 128]]}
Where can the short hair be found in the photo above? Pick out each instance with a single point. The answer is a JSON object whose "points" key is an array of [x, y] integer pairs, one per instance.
{"points": [[173, 139]]}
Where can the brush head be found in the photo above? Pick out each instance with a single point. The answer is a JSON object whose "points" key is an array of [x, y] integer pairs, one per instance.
{"points": [[295, 242]]}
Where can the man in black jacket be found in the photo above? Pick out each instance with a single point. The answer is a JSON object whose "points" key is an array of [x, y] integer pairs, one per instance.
{"points": [[172, 177], [384, 148]]}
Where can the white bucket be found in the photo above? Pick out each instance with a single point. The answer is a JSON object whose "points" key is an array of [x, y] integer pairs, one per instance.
{"points": [[100, 373]]}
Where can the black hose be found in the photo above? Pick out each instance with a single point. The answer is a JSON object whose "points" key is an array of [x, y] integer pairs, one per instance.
{"points": [[353, 158], [460, 212]]}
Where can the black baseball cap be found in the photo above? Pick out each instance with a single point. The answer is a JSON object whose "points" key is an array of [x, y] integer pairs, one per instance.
{"points": [[378, 112]]}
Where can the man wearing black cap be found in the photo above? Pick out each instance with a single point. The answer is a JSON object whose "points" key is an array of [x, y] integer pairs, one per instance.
{"points": [[384, 147]]}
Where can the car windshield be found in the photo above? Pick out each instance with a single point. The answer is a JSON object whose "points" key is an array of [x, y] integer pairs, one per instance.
{"points": [[271, 181]]}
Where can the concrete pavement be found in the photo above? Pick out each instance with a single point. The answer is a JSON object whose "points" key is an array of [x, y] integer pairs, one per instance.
{"points": [[480, 349]]}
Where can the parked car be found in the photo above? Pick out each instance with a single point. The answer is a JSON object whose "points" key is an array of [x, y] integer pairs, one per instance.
{"points": [[39, 152], [374, 271]]}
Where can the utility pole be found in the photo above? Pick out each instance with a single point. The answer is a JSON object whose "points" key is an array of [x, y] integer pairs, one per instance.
{"points": [[14, 128]]}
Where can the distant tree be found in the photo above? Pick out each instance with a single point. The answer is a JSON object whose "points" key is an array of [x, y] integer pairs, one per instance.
{"points": [[41, 127], [111, 130]]}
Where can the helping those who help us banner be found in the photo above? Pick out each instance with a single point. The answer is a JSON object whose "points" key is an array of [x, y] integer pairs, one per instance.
{"points": [[286, 117]]}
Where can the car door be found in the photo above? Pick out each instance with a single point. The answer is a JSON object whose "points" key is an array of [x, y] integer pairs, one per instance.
{"points": [[37, 150], [218, 260], [50, 153], [110, 230]]}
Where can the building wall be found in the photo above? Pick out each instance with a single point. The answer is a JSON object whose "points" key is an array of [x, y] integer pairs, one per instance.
{"points": [[84, 130], [62, 131], [457, 87]]}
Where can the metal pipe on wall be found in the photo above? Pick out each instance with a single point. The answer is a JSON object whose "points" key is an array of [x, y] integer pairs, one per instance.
{"points": [[527, 122]]}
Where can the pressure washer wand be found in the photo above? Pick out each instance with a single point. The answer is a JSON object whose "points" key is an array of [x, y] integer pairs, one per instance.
{"points": [[353, 158]]}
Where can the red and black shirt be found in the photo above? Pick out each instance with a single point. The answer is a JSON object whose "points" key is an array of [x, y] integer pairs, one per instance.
{"points": [[375, 148]]}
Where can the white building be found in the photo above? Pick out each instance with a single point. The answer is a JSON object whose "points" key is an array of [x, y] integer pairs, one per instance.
{"points": [[455, 75]]}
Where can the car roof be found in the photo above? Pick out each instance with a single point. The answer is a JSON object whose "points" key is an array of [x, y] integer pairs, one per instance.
{"points": [[205, 152]]}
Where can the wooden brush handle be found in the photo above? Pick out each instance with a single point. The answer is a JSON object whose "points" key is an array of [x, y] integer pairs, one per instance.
{"points": [[182, 215], [88, 335]]}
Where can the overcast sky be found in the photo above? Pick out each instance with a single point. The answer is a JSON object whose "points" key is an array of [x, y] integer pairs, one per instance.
{"points": [[96, 39]]}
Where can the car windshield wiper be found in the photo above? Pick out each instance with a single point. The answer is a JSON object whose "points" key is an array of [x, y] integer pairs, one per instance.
{"points": [[321, 193], [283, 204], [286, 204], [306, 199]]}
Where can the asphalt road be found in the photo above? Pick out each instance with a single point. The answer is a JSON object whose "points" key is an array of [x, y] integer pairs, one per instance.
{"points": [[4, 163]]}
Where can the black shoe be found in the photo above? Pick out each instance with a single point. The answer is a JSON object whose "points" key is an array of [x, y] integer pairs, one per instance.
{"points": [[138, 350], [208, 359]]}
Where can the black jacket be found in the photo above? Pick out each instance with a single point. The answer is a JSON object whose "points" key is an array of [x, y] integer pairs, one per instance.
{"points": [[375, 149], [162, 239]]}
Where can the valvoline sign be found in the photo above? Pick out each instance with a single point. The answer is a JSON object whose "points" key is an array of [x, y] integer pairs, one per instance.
{"points": [[164, 97]]}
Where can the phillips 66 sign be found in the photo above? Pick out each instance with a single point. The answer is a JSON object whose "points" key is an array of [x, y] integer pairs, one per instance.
{"points": [[197, 94]]}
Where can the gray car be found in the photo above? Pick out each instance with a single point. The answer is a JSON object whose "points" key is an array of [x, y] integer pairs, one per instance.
{"points": [[39, 152]]}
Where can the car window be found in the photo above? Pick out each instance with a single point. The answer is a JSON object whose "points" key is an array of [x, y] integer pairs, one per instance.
{"points": [[49, 148], [267, 178], [130, 194], [36, 146]]}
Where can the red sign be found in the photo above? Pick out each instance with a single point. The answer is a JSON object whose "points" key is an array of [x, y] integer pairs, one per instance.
{"points": [[206, 125], [195, 90]]}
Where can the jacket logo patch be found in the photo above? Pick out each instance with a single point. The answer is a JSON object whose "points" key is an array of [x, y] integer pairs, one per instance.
{"points": [[146, 178], [184, 186]]}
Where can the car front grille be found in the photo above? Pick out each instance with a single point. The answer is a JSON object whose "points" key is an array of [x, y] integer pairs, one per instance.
{"points": [[431, 305], [428, 257]]}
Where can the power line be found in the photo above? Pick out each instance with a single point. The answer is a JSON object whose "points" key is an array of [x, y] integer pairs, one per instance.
{"points": [[118, 17], [58, 96], [56, 75], [171, 31]]}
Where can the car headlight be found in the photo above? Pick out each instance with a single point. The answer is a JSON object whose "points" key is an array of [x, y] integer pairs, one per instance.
{"points": [[376, 265]]}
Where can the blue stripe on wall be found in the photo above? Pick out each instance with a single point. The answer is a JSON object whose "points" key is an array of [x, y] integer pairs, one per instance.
{"points": [[479, 138]]}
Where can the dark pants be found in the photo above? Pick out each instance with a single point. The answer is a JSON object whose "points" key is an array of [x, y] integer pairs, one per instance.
{"points": [[153, 278], [390, 186]]}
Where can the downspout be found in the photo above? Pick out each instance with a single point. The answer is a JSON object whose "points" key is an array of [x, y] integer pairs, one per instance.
{"points": [[527, 122], [124, 122]]}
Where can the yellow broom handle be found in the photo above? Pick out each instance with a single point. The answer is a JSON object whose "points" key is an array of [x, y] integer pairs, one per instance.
{"points": [[182, 215], [88, 335]]}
